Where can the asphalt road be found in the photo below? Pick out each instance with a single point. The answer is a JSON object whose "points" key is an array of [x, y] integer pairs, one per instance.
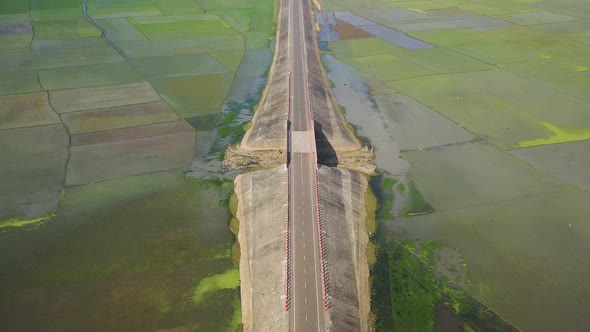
{"points": [[307, 310]]}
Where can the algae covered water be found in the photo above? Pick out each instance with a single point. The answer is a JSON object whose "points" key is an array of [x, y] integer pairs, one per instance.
{"points": [[142, 253]]}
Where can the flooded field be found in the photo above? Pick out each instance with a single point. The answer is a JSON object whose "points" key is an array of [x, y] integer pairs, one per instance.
{"points": [[113, 211], [481, 142]]}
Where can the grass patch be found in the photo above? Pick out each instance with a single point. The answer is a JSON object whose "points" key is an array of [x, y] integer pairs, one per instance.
{"points": [[558, 136], [85, 76], [362, 47], [5, 225], [230, 279], [416, 204], [404, 282], [371, 210], [64, 29], [500, 114], [455, 37], [178, 7], [184, 93], [231, 60]]}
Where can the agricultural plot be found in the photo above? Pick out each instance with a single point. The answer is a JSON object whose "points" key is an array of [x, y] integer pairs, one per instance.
{"points": [[27, 110], [181, 94], [512, 75], [169, 47], [522, 254], [249, 76], [19, 82], [119, 29], [577, 84], [103, 97], [32, 169], [177, 7], [387, 67], [123, 152], [177, 65], [568, 162], [490, 104], [501, 53], [457, 176], [42, 45], [452, 38], [122, 9], [118, 117], [362, 47], [64, 29], [542, 67], [86, 76], [9, 44], [103, 83], [121, 255], [58, 58], [443, 61], [415, 126]]}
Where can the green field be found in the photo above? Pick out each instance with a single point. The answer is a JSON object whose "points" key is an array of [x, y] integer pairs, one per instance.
{"points": [[106, 228], [494, 126], [122, 255]]}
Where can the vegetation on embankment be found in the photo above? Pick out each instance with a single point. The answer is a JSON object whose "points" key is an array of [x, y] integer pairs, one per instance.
{"points": [[407, 289]]}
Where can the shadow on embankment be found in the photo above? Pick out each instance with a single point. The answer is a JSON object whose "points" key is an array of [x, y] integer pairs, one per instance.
{"points": [[325, 151]]}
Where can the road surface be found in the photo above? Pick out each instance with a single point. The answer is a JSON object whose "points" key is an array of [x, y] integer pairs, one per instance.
{"points": [[306, 312]]}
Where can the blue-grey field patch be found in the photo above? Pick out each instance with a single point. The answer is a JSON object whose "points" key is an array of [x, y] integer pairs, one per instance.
{"points": [[24, 28], [396, 37], [327, 22]]}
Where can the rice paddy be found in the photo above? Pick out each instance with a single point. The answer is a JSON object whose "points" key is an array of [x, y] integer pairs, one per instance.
{"points": [[493, 130], [92, 104]]}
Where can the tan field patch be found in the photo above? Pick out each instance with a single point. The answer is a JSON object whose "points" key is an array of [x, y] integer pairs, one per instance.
{"points": [[349, 31], [102, 97], [26, 110], [32, 165], [119, 117], [123, 152]]}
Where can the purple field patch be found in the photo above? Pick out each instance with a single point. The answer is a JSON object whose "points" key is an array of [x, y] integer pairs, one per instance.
{"points": [[8, 29]]}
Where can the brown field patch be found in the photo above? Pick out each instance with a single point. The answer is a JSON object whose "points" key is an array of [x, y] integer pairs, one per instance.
{"points": [[26, 110], [119, 117], [349, 31], [102, 97], [123, 152]]}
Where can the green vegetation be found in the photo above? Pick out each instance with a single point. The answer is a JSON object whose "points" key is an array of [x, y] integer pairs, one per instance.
{"points": [[188, 101], [505, 118], [387, 67], [413, 289], [416, 203], [370, 208], [92, 75], [362, 47], [497, 207], [21, 223], [230, 279], [455, 37], [151, 237], [64, 29]]}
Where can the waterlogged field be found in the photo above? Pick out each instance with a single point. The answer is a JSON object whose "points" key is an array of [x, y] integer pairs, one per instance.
{"points": [[121, 255], [112, 214], [491, 127]]}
